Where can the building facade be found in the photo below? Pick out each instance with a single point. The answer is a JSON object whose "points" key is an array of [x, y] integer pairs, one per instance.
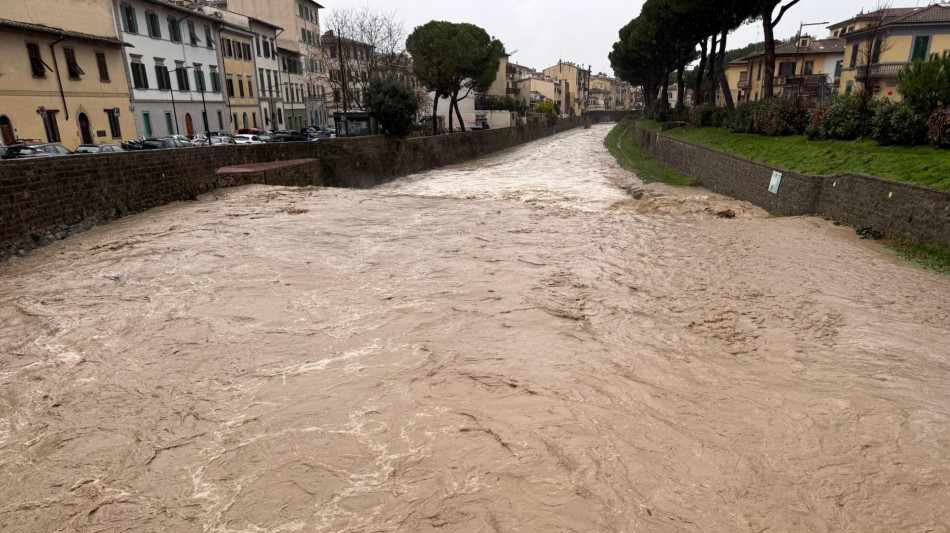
{"points": [[63, 76], [173, 67], [903, 36], [809, 68], [577, 79]]}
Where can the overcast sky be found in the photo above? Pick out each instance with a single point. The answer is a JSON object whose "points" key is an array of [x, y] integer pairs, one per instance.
{"points": [[543, 31]]}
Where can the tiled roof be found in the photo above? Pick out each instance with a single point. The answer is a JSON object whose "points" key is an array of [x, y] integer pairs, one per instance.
{"points": [[889, 14], [27, 27], [934, 13], [815, 46]]}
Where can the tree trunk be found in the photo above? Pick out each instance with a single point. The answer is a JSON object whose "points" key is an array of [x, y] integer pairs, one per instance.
{"points": [[698, 98], [721, 69], [711, 69], [769, 67], [459, 114], [680, 89], [435, 116], [665, 91], [451, 116]]}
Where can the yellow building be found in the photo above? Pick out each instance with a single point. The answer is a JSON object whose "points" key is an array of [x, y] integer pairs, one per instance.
{"points": [[534, 90], [577, 81], [237, 48], [905, 36], [809, 67], [737, 76], [62, 76]]}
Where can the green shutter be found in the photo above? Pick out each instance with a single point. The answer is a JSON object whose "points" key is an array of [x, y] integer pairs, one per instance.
{"points": [[921, 44]]}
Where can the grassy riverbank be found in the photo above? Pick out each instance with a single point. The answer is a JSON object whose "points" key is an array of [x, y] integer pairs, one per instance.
{"points": [[922, 165], [621, 143]]}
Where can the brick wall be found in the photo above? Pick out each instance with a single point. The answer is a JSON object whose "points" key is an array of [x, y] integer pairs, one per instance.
{"points": [[896, 208], [46, 199]]}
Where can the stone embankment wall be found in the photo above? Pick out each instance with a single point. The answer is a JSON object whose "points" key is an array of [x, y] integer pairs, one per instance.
{"points": [[46, 199], [598, 117], [898, 209]]}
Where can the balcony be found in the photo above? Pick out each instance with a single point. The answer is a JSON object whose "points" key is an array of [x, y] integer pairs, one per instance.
{"points": [[881, 70]]}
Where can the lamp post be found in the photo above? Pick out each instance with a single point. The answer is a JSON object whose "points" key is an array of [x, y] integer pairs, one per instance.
{"points": [[174, 109]]}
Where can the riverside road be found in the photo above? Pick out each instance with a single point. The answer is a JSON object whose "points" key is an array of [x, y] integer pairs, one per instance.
{"points": [[534, 341]]}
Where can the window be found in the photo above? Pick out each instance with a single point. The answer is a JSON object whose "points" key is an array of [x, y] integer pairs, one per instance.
{"points": [[301, 8], [234, 122], [238, 50], [809, 68], [333, 52], [336, 95], [270, 84], [174, 29], [129, 22], [200, 79], [36, 61], [228, 52], [250, 90], [51, 126], [152, 26], [254, 119], [838, 65], [182, 75], [209, 39], [114, 127], [246, 124], [266, 49], [161, 74], [758, 76], [280, 116], [786, 69], [854, 56], [247, 52], [260, 72], [139, 76], [230, 84], [71, 66], [241, 86], [168, 124], [103, 67], [921, 45], [257, 42], [220, 121], [147, 122], [191, 33], [215, 81], [876, 51]]}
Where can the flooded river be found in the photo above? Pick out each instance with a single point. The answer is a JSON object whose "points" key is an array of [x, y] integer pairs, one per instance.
{"points": [[513, 344]]}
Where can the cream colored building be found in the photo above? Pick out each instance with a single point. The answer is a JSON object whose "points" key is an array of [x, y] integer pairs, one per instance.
{"points": [[908, 35], [577, 85], [237, 49], [63, 78], [809, 67], [737, 76], [532, 91]]}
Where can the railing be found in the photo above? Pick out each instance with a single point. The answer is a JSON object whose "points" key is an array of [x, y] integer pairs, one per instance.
{"points": [[885, 70], [744, 84]]}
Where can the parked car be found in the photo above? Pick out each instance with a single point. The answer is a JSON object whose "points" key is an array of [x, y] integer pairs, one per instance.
{"points": [[248, 139], [250, 131], [221, 140], [160, 144], [199, 140], [180, 138], [23, 151], [288, 136], [266, 138], [99, 149], [3, 151]]}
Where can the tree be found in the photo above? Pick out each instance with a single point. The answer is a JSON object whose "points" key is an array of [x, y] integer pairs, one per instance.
{"points": [[926, 84], [874, 43], [449, 58], [395, 105], [765, 9], [547, 107]]}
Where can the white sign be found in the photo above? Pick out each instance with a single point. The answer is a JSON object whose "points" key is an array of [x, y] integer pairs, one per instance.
{"points": [[776, 182]]}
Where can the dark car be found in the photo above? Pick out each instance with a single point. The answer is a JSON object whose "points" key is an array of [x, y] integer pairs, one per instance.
{"points": [[288, 136], [99, 149], [35, 150], [3, 151], [159, 144]]}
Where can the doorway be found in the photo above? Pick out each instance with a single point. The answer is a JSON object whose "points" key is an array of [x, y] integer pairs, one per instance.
{"points": [[6, 131], [84, 129], [189, 126]]}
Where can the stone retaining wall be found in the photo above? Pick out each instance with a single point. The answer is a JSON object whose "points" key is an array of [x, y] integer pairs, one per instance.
{"points": [[898, 209], [45, 199]]}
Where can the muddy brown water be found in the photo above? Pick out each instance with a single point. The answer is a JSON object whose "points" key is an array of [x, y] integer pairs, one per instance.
{"points": [[513, 344]]}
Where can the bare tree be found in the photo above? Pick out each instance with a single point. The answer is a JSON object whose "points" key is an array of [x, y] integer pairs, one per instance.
{"points": [[874, 43], [360, 44]]}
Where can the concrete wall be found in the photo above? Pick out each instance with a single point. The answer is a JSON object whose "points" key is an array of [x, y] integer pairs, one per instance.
{"points": [[896, 208], [45, 199]]}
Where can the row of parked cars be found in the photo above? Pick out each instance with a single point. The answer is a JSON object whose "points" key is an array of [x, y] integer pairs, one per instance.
{"points": [[244, 136]]}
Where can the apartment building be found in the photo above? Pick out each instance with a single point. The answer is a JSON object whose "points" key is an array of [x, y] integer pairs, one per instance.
{"points": [[905, 35], [174, 68], [577, 79], [534, 90], [63, 78], [808, 67], [737, 76], [298, 47]]}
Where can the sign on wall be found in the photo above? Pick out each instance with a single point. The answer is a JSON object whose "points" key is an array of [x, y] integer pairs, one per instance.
{"points": [[776, 182]]}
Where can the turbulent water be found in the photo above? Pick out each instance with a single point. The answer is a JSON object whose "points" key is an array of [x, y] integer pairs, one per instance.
{"points": [[534, 341]]}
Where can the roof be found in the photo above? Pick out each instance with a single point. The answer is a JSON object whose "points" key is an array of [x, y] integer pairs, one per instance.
{"points": [[890, 13], [931, 14], [40, 29], [185, 6], [815, 46]]}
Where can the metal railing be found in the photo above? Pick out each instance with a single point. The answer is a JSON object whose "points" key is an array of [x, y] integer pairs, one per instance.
{"points": [[881, 70]]}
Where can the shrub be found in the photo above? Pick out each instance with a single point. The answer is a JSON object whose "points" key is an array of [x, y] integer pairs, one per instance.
{"points": [[394, 104], [939, 128], [708, 116], [660, 112], [926, 84], [743, 120], [547, 107], [897, 123], [780, 117], [837, 117]]}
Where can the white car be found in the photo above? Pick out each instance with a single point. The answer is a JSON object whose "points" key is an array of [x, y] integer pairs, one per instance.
{"points": [[247, 139]]}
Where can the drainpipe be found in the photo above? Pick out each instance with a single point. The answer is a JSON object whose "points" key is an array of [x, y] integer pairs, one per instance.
{"points": [[59, 79]]}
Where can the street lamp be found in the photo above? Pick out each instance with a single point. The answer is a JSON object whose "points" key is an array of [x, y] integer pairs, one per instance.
{"points": [[201, 90], [798, 40]]}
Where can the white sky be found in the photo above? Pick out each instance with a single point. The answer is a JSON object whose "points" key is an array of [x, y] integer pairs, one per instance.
{"points": [[544, 31]]}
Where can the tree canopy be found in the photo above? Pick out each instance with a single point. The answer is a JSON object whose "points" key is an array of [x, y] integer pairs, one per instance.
{"points": [[450, 58]]}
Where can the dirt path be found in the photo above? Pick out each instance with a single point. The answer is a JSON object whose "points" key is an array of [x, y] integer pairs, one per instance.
{"points": [[509, 345]]}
